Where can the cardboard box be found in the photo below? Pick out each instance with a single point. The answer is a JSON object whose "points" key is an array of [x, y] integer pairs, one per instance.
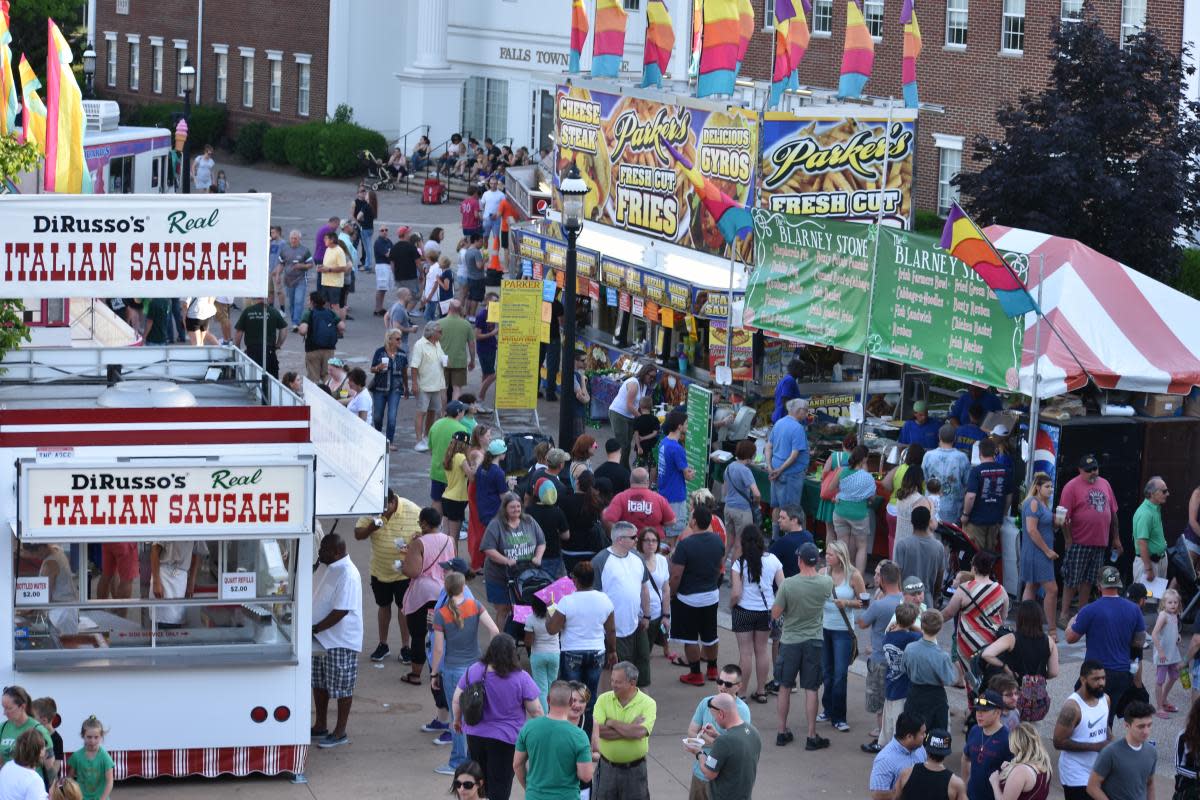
{"points": [[1160, 405], [1191, 404]]}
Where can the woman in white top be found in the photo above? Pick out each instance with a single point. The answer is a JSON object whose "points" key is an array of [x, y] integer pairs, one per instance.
{"points": [[202, 170], [200, 312], [660, 589], [910, 495], [624, 407], [360, 403], [589, 634], [756, 577], [19, 779], [838, 632]]}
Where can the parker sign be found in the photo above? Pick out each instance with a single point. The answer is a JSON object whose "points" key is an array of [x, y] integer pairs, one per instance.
{"points": [[131, 245]]}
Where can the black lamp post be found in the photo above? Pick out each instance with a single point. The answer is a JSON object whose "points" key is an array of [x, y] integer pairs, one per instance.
{"points": [[573, 190], [187, 84], [89, 72]]}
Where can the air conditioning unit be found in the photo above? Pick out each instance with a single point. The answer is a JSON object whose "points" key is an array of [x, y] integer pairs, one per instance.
{"points": [[101, 115]]}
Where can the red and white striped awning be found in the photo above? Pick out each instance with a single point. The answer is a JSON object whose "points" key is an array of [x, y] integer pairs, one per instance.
{"points": [[1130, 331]]}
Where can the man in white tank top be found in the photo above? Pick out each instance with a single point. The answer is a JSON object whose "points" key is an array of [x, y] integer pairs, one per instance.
{"points": [[1081, 731]]}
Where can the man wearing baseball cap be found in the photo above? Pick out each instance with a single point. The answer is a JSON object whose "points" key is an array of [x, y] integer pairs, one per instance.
{"points": [[1089, 528], [931, 780], [800, 606], [1113, 626], [921, 429], [987, 746]]}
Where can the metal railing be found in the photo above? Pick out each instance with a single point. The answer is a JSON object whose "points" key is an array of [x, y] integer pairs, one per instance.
{"points": [[402, 140]]}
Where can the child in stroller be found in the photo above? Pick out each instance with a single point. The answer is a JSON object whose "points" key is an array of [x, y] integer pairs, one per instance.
{"points": [[379, 176]]}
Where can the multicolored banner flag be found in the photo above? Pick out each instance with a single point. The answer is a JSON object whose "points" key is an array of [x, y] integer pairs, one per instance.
{"points": [[579, 32], [66, 170], [963, 239], [697, 36], [719, 49], [8, 77], [608, 42], [858, 53], [33, 110], [745, 29], [791, 42], [912, 49], [660, 40], [733, 221]]}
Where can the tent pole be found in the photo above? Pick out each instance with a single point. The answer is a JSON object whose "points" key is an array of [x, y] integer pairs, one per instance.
{"points": [[1035, 403], [883, 180], [729, 316]]}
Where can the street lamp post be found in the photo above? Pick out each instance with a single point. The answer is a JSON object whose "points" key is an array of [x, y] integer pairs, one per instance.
{"points": [[187, 84], [573, 190], [89, 72]]}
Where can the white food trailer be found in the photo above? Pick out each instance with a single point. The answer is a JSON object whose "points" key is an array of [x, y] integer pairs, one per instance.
{"points": [[125, 458]]}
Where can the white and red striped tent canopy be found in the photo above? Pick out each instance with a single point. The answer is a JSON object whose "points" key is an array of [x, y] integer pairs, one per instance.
{"points": [[1130, 331]]}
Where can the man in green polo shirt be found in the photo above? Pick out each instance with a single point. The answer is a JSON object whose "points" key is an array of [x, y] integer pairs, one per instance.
{"points": [[1150, 545], [622, 722], [553, 754]]}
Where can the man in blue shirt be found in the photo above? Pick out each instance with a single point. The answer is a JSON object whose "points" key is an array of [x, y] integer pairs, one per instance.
{"points": [[902, 752], [790, 535], [987, 400], [673, 471], [787, 389], [1113, 626], [921, 429], [989, 495], [787, 456], [967, 435], [729, 682]]}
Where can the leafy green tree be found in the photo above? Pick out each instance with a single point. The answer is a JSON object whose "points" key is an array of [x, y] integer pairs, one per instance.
{"points": [[14, 159], [1107, 153], [28, 22]]}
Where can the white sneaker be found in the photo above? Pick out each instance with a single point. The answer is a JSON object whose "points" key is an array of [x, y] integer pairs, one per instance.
{"points": [[422, 446]]}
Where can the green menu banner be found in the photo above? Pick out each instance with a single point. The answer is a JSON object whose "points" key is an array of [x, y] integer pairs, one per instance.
{"points": [[931, 311], [812, 281], [699, 422]]}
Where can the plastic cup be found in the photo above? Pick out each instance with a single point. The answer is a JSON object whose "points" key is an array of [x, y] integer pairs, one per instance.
{"points": [[864, 598], [1060, 515]]}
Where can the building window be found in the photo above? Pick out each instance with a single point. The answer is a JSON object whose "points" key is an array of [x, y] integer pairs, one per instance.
{"points": [[156, 68], [1133, 19], [222, 74], [949, 149], [248, 81], [1072, 10], [181, 57], [632, 5], [768, 15], [822, 21], [135, 66], [485, 108], [873, 12], [1012, 27], [956, 23], [303, 84], [110, 43], [276, 91]]}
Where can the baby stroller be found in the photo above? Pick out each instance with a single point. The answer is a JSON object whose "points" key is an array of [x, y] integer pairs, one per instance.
{"points": [[379, 177], [959, 552], [527, 580]]}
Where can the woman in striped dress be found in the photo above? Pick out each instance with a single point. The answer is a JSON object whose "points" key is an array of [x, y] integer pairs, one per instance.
{"points": [[980, 606]]}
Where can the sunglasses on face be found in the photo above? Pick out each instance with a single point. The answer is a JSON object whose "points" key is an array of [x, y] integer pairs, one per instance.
{"points": [[464, 784], [727, 684]]}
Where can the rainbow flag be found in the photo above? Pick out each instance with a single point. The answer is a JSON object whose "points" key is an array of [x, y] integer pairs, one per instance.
{"points": [[579, 32], [858, 53], [963, 239], [697, 37], [791, 41], [745, 29], [733, 221], [912, 49], [33, 110], [8, 78], [608, 42], [66, 170], [660, 40], [719, 53]]}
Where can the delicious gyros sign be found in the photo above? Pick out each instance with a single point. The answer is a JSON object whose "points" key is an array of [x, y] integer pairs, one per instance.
{"points": [[178, 500], [131, 245]]}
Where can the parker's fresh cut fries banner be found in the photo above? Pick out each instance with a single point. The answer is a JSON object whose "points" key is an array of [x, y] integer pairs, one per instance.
{"points": [[829, 163], [620, 143]]}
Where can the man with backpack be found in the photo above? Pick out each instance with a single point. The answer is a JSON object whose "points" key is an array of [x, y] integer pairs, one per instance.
{"points": [[321, 328]]}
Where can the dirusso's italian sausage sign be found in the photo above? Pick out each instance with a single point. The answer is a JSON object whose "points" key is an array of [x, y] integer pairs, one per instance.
{"points": [[131, 245], [186, 500]]}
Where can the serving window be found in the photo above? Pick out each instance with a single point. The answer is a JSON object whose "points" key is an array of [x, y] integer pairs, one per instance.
{"points": [[154, 599]]}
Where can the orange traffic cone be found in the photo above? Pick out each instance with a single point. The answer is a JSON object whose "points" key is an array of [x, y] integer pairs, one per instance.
{"points": [[494, 255]]}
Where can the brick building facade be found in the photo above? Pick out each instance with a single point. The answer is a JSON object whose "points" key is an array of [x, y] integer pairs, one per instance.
{"points": [[969, 81], [262, 61]]}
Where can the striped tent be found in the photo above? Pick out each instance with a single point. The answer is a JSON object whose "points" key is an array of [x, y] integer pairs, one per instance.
{"points": [[1130, 331]]}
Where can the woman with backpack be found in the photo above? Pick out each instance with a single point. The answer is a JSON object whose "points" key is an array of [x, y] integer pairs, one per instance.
{"points": [[1030, 656], [493, 699]]}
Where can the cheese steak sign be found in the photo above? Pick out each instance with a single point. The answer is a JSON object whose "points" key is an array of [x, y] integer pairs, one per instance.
{"points": [[187, 500], [133, 245]]}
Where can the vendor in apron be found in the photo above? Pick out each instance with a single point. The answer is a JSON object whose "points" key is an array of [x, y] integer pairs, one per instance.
{"points": [[173, 568]]}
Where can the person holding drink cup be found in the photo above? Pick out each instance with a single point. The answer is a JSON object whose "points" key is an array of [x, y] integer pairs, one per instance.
{"points": [[1089, 525], [388, 366], [1037, 543]]}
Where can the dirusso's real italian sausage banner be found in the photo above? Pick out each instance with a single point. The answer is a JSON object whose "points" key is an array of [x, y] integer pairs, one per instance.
{"points": [[620, 145], [830, 163]]}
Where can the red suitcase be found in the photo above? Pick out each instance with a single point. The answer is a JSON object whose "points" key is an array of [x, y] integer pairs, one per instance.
{"points": [[434, 192]]}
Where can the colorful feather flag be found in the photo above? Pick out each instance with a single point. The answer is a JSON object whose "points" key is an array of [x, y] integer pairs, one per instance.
{"points": [[791, 41], [8, 77], [719, 50], [858, 53], [697, 36], [660, 40], [745, 29], [912, 49], [963, 239], [33, 110], [579, 32], [608, 42], [733, 220], [66, 170]]}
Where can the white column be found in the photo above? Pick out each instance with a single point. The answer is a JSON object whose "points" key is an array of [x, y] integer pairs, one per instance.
{"points": [[432, 35], [681, 21]]}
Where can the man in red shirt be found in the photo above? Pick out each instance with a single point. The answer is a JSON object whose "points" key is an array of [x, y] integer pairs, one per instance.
{"points": [[1090, 528], [472, 214], [640, 505]]}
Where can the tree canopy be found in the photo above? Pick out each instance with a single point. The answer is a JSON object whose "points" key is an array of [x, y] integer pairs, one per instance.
{"points": [[28, 23], [1107, 153]]}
